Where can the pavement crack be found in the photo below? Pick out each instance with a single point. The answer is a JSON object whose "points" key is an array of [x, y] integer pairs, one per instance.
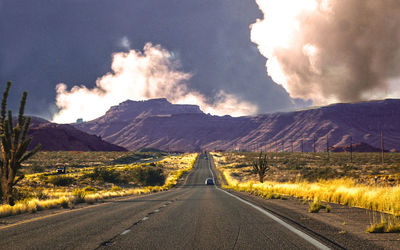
{"points": [[238, 233]]}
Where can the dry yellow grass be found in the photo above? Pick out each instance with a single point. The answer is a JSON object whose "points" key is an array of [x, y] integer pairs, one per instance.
{"points": [[175, 166], [343, 191]]}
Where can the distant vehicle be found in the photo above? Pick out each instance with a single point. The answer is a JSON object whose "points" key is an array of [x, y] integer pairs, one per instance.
{"points": [[61, 170], [209, 181]]}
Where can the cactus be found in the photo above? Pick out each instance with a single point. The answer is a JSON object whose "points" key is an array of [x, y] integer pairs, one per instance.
{"points": [[261, 167], [14, 146]]}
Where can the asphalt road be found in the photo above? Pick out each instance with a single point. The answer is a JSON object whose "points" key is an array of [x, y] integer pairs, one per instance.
{"points": [[193, 216]]}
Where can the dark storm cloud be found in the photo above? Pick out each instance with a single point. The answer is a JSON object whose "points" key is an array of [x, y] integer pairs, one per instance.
{"points": [[43, 43]]}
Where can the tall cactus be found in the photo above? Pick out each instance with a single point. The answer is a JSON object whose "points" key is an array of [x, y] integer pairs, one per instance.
{"points": [[14, 146], [260, 166]]}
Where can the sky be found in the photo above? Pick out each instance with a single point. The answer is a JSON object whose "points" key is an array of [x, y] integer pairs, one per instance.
{"points": [[47, 42], [77, 58]]}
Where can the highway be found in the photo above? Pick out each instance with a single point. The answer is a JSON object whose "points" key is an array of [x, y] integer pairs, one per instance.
{"points": [[192, 216]]}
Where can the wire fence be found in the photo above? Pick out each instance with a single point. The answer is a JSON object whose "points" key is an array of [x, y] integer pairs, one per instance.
{"points": [[312, 144]]}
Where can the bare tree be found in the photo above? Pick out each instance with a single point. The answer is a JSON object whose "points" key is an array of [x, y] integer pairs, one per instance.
{"points": [[260, 166]]}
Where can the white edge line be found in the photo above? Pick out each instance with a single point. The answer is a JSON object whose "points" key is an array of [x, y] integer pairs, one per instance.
{"points": [[306, 237], [125, 232]]}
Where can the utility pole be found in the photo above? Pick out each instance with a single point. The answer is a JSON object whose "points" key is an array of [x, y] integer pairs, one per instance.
{"points": [[351, 149], [302, 149], [291, 145], [382, 147], [314, 144], [327, 145]]}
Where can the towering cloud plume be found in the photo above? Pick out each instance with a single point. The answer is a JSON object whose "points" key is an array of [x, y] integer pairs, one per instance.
{"points": [[331, 50], [153, 73]]}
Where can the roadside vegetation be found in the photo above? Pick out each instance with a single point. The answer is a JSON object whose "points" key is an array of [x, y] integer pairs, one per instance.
{"points": [[384, 223], [14, 145], [363, 183], [93, 177]]}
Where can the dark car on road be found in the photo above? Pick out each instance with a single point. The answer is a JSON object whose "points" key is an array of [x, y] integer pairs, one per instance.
{"points": [[209, 181]]}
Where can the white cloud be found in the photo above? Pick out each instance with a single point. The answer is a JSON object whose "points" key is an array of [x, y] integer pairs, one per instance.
{"points": [[153, 73], [125, 43]]}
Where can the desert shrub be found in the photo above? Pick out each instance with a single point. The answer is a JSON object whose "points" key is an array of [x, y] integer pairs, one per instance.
{"points": [[64, 203], [22, 194], [61, 180], [293, 164], [39, 194], [148, 176], [83, 182], [89, 189], [43, 177], [314, 174], [157, 165], [115, 189], [241, 165], [33, 169], [79, 195], [103, 174]]}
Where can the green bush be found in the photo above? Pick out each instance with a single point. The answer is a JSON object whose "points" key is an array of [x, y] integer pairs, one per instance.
{"points": [[61, 180], [148, 176]]}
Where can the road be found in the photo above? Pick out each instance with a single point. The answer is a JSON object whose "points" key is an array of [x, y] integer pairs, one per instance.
{"points": [[193, 216]]}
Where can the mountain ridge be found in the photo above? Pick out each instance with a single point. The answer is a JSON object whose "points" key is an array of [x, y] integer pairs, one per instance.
{"points": [[65, 137], [168, 128]]}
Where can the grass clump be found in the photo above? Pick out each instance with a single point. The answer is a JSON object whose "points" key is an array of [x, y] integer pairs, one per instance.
{"points": [[387, 224], [377, 228], [79, 195], [316, 206]]}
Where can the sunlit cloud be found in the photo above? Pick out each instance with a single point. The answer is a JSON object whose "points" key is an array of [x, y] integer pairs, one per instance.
{"points": [[136, 75], [331, 50]]}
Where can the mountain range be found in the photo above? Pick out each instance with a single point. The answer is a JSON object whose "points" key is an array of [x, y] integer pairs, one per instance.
{"points": [[157, 123]]}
